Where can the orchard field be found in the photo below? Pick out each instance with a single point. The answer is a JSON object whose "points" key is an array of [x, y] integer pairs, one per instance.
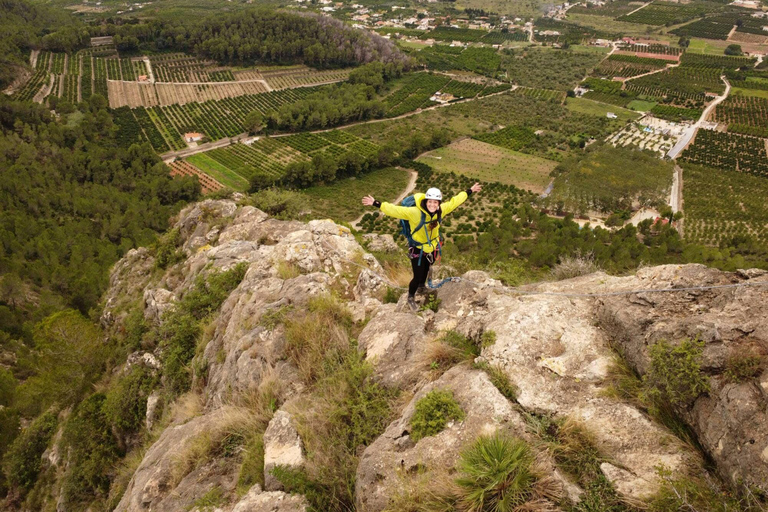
{"points": [[487, 162]]}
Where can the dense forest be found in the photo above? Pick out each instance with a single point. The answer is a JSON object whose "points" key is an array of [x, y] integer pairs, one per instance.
{"points": [[72, 203], [258, 35], [26, 26]]}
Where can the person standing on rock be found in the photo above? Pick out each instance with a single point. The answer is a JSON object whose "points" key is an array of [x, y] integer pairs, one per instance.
{"points": [[420, 219]]}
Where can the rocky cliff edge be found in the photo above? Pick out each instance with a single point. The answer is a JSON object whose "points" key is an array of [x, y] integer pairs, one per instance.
{"points": [[557, 346]]}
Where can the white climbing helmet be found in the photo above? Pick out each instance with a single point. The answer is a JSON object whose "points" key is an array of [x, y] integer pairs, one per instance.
{"points": [[434, 193]]}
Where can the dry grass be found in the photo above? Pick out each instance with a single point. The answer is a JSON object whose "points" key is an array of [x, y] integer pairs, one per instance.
{"points": [[183, 409], [233, 426], [575, 266], [317, 336], [287, 270]]}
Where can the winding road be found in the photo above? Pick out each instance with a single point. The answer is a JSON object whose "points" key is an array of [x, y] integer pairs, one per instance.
{"points": [[690, 132]]}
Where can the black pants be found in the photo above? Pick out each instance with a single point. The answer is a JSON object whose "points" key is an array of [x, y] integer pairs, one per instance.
{"points": [[420, 272]]}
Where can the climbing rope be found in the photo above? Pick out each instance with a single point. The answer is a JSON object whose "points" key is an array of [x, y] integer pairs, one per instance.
{"points": [[518, 291]]}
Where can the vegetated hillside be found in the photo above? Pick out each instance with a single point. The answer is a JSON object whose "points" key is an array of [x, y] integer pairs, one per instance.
{"points": [[25, 26], [73, 204], [259, 35], [273, 367]]}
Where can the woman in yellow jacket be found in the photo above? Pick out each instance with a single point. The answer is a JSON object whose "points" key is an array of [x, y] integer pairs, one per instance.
{"points": [[426, 237]]}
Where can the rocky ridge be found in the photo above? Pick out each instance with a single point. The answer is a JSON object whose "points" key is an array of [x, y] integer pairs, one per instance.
{"points": [[557, 350]]}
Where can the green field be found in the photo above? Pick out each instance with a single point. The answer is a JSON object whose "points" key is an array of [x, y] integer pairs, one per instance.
{"points": [[707, 46], [641, 105], [586, 106], [487, 162], [220, 173], [341, 200], [749, 92]]}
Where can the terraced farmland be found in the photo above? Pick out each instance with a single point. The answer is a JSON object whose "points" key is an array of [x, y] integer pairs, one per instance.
{"points": [[266, 158]]}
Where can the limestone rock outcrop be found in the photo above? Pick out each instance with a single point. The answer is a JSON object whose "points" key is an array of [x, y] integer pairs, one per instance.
{"points": [[554, 341]]}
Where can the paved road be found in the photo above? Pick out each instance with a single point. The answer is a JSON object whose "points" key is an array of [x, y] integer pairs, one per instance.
{"points": [[677, 189], [690, 132]]}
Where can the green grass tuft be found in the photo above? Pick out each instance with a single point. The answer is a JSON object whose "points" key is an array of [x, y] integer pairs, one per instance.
{"points": [[433, 412]]}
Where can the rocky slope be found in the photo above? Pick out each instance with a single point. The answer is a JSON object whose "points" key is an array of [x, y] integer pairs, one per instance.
{"points": [[557, 350]]}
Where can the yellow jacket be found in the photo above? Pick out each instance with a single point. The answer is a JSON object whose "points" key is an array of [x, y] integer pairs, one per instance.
{"points": [[427, 238]]}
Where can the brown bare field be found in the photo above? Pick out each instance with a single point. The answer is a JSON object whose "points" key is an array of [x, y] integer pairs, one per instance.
{"points": [[660, 56], [184, 168], [741, 37], [137, 94]]}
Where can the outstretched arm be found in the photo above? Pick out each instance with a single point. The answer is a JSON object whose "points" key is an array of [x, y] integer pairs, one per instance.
{"points": [[459, 198], [398, 212]]}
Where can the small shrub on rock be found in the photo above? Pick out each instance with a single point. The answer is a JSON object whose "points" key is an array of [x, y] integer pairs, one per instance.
{"points": [[675, 373], [742, 367], [433, 412]]}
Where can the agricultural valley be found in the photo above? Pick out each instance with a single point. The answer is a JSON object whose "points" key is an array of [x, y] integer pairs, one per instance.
{"points": [[607, 135]]}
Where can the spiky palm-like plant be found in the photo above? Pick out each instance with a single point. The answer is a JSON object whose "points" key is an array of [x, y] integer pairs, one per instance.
{"points": [[496, 474]]}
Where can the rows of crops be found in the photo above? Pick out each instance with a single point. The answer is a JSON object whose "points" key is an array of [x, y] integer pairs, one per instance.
{"points": [[86, 82], [500, 37], [43, 61], [747, 115], [720, 204], [183, 168], [718, 62], [660, 49], [676, 114], [715, 27], [57, 63], [414, 93], [627, 66], [728, 151], [154, 137], [493, 89], [33, 86], [542, 94], [129, 131], [166, 128], [465, 35], [462, 89], [126, 69], [663, 13], [269, 156], [682, 81], [510, 137]]}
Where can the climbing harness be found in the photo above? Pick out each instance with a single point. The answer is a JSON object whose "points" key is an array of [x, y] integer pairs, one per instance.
{"points": [[407, 232]]}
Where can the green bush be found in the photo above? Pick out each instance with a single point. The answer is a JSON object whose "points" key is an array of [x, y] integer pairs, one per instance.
{"points": [[22, 461], [7, 387], [495, 474], [433, 412], [468, 348], [742, 367], [125, 406], [93, 451], [167, 249], [432, 303], [281, 204], [181, 328], [675, 373], [391, 296]]}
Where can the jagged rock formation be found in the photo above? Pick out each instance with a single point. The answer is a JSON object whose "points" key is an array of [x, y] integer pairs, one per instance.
{"points": [[557, 351]]}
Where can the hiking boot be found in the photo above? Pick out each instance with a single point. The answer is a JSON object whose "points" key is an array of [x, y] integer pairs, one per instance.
{"points": [[412, 304], [422, 290]]}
